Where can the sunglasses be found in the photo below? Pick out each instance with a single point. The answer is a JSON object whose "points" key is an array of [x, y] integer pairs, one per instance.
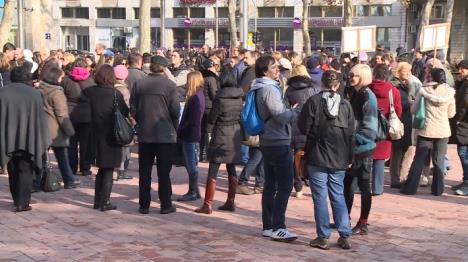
{"points": [[351, 75]]}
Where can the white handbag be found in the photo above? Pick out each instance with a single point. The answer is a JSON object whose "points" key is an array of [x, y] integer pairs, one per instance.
{"points": [[397, 128]]}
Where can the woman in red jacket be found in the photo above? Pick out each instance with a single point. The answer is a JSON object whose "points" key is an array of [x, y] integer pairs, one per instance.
{"points": [[381, 88]]}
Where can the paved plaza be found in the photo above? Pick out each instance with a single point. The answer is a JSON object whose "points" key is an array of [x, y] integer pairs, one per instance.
{"points": [[63, 227]]}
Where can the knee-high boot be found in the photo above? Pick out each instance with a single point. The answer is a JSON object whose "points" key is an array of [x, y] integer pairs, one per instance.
{"points": [[206, 208], [229, 205], [106, 189], [97, 190]]}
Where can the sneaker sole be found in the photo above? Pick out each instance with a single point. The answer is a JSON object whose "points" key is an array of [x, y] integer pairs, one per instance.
{"points": [[319, 246], [285, 240]]}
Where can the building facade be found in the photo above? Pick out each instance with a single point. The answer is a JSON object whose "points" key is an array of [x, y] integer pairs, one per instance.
{"points": [[80, 24], [459, 27]]}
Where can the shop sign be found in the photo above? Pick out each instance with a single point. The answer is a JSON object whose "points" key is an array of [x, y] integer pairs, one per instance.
{"points": [[204, 22], [325, 22], [197, 2], [297, 22]]}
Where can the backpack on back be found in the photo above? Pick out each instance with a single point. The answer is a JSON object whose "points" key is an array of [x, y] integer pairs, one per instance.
{"points": [[250, 118]]}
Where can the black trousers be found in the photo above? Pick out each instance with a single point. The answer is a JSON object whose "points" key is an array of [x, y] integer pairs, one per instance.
{"points": [[362, 170], [81, 138], [21, 174], [205, 139], [437, 148], [164, 153]]}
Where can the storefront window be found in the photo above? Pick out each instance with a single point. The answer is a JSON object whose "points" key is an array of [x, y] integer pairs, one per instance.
{"points": [[282, 39], [361, 10], [82, 12], [382, 34], [104, 13], [266, 12], [223, 12], [197, 12], [67, 12], [180, 12], [336, 11], [380, 10], [155, 13], [223, 37], [181, 36], [285, 12], [118, 13], [315, 11], [331, 35]]}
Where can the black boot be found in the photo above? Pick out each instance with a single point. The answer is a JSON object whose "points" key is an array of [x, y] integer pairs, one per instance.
{"points": [[106, 189], [192, 191], [97, 190]]}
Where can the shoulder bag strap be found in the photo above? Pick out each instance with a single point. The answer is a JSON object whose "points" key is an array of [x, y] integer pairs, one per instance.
{"points": [[392, 106], [1, 80]]}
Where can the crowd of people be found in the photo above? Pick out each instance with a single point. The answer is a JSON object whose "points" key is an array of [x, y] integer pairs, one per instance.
{"points": [[324, 126]]}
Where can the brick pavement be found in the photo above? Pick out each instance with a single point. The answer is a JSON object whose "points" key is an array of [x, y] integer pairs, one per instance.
{"points": [[64, 227]]}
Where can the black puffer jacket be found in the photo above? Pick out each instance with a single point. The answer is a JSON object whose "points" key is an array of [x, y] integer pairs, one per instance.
{"points": [[299, 90], [210, 89], [225, 144], [461, 117], [78, 105]]}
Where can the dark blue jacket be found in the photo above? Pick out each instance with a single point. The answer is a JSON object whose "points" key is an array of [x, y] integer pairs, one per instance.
{"points": [[190, 125]]}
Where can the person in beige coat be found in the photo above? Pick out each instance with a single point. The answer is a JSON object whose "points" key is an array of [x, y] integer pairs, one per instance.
{"points": [[440, 106], [60, 126]]}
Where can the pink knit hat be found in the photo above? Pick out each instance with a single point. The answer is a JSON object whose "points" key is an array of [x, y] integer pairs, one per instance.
{"points": [[121, 72]]}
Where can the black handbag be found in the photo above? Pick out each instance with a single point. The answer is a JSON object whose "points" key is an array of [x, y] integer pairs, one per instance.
{"points": [[122, 130], [383, 126], [52, 179]]}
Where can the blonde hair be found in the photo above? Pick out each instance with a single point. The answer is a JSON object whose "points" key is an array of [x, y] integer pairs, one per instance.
{"points": [[364, 72], [194, 82], [4, 63], [401, 67], [300, 70], [69, 58], [277, 55]]}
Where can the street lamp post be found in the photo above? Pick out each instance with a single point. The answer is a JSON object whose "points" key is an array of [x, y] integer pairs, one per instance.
{"points": [[245, 32], [162, 33], [217, 27], [20, 24]]}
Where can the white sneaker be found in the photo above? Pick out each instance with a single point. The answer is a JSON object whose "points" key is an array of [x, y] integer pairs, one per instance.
{"points": [[283, 235], [267, 232]]}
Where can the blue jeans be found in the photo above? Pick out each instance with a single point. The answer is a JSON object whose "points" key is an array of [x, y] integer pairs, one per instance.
{"points": [[245, 154], [253, 166], [328, 182], [191, 157], [463, 154], [61, 154], [279, 176], [378, 172]]}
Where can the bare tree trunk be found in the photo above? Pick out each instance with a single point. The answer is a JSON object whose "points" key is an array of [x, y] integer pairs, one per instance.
{"points": [[232, 23], [448, 19], [348, 13], [426, 15], [305, 27], [7, 20], [145, 26]]}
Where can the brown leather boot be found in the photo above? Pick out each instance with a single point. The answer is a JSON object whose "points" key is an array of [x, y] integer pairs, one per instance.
{"points": [[229, 205], [206, 208]]}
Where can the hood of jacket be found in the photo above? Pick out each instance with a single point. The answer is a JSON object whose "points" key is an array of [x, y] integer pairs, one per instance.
{"points": [[380, 88], [432, 92], [263, 82], [299, 82], [47, 88], [79, 74], [230, 92], [208, 73]]}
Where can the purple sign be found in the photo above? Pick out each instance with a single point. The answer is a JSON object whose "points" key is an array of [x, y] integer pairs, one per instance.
{"points": [[187, 22], [297, 22]]}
